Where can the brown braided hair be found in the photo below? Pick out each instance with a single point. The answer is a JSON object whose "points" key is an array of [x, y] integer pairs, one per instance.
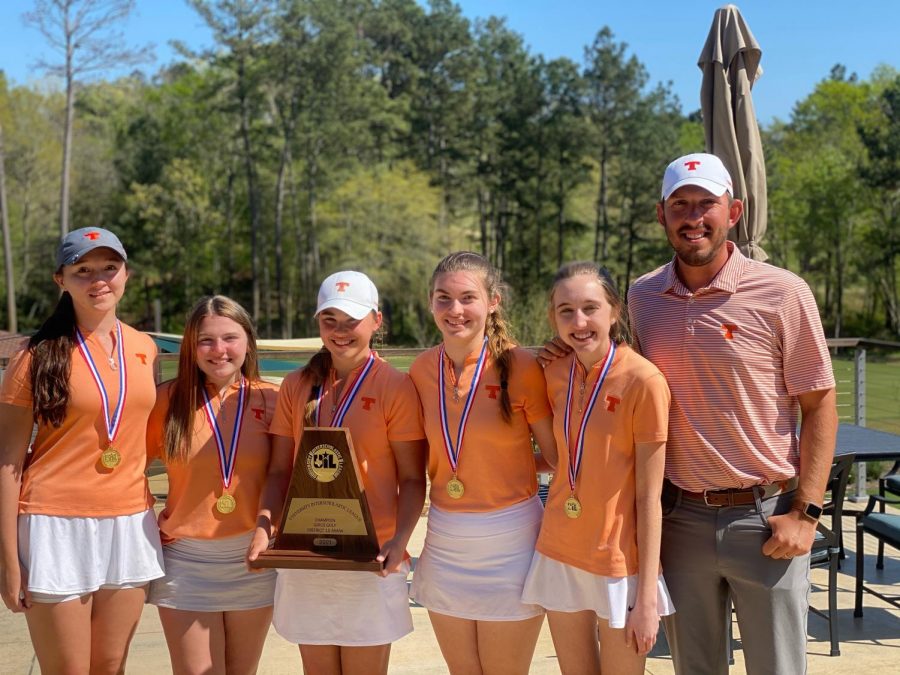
{"points": [[51, 363], [620, 330], [185, 396], [500, 340]]}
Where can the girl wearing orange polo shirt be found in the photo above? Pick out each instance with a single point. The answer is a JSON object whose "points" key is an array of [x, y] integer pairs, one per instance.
{"points": [[78, 537], [345, 621], [484, 398], [597, 557], [210, 427]]}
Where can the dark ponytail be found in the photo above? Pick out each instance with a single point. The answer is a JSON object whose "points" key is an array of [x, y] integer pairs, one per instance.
{"points": [[51, 363]]}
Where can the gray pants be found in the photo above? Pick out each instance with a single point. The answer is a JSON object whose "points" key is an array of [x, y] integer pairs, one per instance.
{"points": [[709, 552]]}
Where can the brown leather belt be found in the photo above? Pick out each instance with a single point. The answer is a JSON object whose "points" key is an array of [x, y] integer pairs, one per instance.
{"points": [[740, 496]]}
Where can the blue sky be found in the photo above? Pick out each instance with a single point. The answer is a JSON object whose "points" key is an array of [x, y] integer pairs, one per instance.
{"points": [[801, 39]]}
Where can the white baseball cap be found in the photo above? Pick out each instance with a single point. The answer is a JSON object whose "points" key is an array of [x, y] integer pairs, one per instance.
{"points": [[351, 292], [700, 169]]}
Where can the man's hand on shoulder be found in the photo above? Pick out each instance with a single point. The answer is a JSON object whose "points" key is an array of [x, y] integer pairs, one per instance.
{"points": [[792, 535], [552, 350]]}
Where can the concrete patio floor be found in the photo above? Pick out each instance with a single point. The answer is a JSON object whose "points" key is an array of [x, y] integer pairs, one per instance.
{"points": [[867, 644]]}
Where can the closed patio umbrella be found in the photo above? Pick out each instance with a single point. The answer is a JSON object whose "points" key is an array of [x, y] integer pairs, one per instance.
{"points": [[730, 65]]}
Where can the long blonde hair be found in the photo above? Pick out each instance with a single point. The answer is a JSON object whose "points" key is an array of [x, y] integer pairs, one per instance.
{"points": [[186, 394], [500, 340]]}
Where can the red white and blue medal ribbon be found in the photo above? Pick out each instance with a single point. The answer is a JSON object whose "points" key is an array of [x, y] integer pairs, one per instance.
{"points": [[577, 453], [113, 421], [226, 461], [337, 419], [453, 450]]}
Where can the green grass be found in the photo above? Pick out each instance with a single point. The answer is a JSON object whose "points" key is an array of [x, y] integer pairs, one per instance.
{"points": [[882, 392]]}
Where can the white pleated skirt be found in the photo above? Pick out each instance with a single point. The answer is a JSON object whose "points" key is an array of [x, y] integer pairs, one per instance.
{"points": [[559, 587], [67, 557], [338, 607], [209, 575], [473, 565]]}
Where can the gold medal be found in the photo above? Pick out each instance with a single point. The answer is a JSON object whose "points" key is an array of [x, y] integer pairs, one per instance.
{"points": [[455, 488], [110, 458], [573, 507], [225, 504]]}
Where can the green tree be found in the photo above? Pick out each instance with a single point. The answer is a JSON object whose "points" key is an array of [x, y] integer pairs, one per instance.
{"points": [[368, 223], [613, 87], [239, 26], [819, 195], [880, 171], [84, 33]]}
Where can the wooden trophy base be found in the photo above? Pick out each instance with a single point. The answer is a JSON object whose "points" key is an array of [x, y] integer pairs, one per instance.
{"points": [[308, 560]]}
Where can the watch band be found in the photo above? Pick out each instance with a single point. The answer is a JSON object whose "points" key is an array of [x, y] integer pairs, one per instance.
{"points": [[808, 510]]}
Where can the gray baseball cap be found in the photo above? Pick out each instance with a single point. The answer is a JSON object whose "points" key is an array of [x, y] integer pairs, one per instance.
{"points": [[78, 242]]}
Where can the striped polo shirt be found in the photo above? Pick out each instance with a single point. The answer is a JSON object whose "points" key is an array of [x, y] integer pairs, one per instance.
{"points": [[736, 355]]}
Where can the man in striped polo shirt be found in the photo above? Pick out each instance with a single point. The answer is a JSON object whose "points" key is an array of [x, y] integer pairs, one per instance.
{"points": [[742, 347]]}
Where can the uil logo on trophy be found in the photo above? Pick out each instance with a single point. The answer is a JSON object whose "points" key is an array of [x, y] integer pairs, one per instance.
{"points": [[326, 523], [324, 463]]}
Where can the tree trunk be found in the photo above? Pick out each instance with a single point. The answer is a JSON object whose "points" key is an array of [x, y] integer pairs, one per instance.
{"points": [[538, 224], [279, 250], [11, 317], [67, 135], [560, 219], [629, 256], [839, 287], [483, 222], [229, 234], [601, 226], [252, 189]]}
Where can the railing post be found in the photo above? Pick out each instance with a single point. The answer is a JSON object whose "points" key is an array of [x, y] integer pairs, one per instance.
{"points": [[859, 362], [859, 416]]}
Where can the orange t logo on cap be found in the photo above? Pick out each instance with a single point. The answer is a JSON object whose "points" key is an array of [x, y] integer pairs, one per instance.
{"points": [[92, 235], [692, 166], [342, 285]]}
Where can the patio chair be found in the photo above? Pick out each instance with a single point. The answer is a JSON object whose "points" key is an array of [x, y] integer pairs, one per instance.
{"points": [[889, 484], [826, 548], [886, 528]]}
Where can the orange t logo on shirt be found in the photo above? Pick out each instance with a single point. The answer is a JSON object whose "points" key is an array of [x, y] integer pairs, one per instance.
{"points": [[492, 390], [367, 402], [143, 358], [729, 329], [612, 402], [258, 412]]}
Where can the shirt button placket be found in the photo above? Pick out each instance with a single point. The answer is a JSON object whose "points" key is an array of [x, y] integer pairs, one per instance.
{"points": [[690, 316]]}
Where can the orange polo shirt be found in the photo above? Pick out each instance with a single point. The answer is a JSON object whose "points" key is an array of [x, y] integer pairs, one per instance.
{"points": [[632, 407], [63, 474], [496, 462], [196, 484], [385, 409]]}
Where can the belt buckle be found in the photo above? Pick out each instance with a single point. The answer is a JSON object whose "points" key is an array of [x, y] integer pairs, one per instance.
{"points": [[727, 496]]}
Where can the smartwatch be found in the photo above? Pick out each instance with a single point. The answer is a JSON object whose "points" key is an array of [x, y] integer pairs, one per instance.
{"points": [[808, 511]]}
